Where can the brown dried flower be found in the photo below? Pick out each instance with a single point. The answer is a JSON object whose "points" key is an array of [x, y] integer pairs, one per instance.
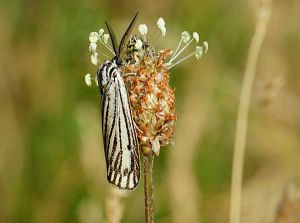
{"points": [[152, 100]]}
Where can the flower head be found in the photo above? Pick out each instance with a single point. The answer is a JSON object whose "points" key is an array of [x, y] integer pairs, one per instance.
{"points": [[152, 100]]}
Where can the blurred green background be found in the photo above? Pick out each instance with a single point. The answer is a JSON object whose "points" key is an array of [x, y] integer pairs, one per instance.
{"points": [[51, 156]]}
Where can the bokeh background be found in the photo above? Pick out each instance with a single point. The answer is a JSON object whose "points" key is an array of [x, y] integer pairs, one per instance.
{"points": [[51, 156]]}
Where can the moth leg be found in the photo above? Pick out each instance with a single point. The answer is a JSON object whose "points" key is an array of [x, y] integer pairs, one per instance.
{"points": [[135, 125]]}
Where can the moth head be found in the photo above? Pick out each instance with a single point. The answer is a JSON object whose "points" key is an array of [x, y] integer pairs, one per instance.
{"points": [[118, 61]]}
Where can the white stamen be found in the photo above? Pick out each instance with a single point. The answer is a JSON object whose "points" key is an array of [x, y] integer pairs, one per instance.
{"points": [[175, 56], [205, 45], [88, 80], [178, 46], [94, 58], [96, 80], [198, 52], [94, 37], [161, 22], [108, 47], [93, 47], [196, 36], [163, 31], [185, 36], [138, 45], [143, 29], [161, 25], [101, 31], [105, 38]]}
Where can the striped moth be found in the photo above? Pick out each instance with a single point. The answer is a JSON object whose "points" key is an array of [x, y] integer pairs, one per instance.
{"points": [[121, 145]]}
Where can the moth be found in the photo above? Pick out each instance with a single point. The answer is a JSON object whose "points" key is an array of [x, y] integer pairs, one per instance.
{"points": [[120, 141]]}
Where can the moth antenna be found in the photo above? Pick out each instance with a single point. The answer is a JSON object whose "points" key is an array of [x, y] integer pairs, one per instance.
{"points": [[127, 33], [113, 39]]}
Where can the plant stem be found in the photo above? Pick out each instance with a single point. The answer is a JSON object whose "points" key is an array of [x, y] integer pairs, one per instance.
{"points": [[146, 192], [264, 13], [149, 187], [114, 206]]}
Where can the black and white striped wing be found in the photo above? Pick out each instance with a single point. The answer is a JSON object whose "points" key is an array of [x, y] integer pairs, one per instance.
{"points": [[119, 135]]}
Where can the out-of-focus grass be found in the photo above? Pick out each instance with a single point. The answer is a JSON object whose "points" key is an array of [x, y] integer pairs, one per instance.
{"points": [[51, 157]]}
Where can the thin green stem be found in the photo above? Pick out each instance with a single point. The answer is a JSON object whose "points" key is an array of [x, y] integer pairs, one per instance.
{"points": [[175, 56], [181, 60], [177, 48], [108, 47]]}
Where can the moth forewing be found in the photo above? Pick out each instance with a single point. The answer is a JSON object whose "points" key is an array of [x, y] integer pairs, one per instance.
{"points": [[119, 135]]}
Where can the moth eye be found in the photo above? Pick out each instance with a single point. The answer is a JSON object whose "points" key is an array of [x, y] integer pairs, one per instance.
{"points": [[119, 61]]}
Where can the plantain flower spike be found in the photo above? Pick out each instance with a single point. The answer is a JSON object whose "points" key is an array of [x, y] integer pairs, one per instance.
{"points": [[151, 97]]}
